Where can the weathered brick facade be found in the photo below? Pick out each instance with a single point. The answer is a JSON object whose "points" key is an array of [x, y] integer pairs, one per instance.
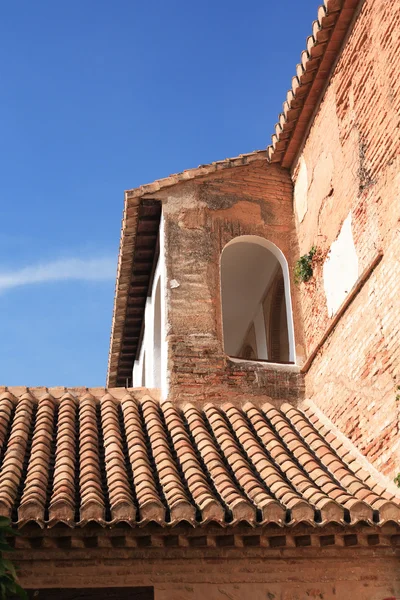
{"points": [[345, 574], [201, 217], [352, 157]]}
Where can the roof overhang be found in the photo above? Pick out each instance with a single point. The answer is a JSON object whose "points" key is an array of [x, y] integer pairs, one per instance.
{"points": [[329, 32], [137, 258]]}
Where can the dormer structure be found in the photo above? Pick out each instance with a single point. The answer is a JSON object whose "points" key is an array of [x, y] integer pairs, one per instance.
{"points": [[216, 311]]}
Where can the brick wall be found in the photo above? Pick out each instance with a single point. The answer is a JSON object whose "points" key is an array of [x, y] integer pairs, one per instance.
{"points": [[371, 576], [201, 217], [353, 164]]}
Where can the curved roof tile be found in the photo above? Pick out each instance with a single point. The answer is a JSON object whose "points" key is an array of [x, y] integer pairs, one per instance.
{"points": [[119, 455], [323, 47]]}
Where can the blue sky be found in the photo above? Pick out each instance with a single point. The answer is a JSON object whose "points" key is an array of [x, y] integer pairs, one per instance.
{"points": [[98, 97]]}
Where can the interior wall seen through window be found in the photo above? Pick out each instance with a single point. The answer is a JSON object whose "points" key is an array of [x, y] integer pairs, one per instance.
{"points": [[257, 320]]}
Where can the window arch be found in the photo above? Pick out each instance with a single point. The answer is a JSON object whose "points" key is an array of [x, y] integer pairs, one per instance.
{"points": [[256, 304]]}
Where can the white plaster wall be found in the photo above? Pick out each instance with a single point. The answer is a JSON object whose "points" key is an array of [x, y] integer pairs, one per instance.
{"points": [[157, 336], [301, 190], [150, 370], [340, 269]]}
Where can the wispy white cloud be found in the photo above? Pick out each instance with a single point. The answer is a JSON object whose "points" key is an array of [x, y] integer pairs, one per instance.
{"points": [[84, 269]]}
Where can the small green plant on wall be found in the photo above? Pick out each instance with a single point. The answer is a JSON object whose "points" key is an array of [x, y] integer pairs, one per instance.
{"points": [[9, 586], [397, 480], [303, 269]]}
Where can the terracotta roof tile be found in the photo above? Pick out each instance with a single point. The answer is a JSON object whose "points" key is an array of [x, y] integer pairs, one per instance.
{"points": [[255, 490], [62, 503], [334, 19], [78, 456], [345, 462], [92, 504], [34, 497], [120, 497], [190, 465], [171, 483]]}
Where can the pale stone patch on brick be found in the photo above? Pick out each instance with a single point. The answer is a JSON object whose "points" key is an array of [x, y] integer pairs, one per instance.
{"points": [[340, 268], [321, 184], [300, 191]]}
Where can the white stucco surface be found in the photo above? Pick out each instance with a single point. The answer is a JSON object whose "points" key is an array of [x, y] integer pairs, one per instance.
{"points": [[150, 370], [340, 269], [300, 191]]}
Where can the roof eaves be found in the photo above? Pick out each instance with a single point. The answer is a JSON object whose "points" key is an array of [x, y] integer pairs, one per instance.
{"points": [[129, 290], [200, 171], [323, 48]]}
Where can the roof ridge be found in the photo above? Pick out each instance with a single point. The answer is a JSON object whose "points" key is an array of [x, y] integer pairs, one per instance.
{"points": [[200, 171], [58, 392]]}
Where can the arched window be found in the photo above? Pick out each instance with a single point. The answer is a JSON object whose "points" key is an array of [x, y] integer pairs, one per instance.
{"points": [[256, 303]]}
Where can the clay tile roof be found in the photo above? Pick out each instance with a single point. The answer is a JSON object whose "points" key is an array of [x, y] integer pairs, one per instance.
{"points": [[119, 455], [329, 30]]}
